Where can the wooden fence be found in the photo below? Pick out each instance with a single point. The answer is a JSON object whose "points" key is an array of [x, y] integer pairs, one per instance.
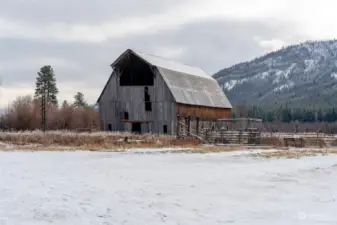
{"points": [[251, 137]]}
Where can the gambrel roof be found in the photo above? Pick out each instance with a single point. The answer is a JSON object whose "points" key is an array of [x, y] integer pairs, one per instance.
{"points": [[188, 84]]}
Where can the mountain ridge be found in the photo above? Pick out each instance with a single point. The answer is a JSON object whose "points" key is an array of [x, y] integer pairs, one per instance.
{"points": [[304, 74]]}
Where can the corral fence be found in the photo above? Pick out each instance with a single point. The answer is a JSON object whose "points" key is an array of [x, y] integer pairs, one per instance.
{"points": [[302, 139], [249, 131], [251, 136]]}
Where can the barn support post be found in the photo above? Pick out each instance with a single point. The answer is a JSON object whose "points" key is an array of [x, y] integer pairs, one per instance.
{"points": [[197, 128], [189, 125], [186, 126], [178, 125]]}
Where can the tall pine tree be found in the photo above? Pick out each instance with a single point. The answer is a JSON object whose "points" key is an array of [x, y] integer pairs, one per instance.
{"points": [[46, 91], [46, 85], [79, 101]]}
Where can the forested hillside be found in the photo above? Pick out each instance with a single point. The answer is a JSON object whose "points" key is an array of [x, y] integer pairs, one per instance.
{"points": [[303, 75]]}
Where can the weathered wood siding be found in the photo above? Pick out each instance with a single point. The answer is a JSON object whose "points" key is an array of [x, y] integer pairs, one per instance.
{"points": [[117, 99], [107, 104], [204, 112]]}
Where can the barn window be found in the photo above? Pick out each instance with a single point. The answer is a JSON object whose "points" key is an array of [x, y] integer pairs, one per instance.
{"points": [[109, 127], [126, 116], [135, 72], [148, 104], [165, 129]]}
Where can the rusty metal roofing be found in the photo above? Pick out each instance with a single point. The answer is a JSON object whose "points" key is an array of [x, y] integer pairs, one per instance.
{"points": [[188, 84]]}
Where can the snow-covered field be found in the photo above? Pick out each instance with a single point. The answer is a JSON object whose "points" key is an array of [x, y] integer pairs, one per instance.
{"points": [[81, 188]]}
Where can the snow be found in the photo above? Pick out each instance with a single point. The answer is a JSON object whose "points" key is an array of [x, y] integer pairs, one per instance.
{"points": [[83, 188], [232, 83], [321, 49], [310, 64], [262, 76], [288, 85], [280, 74], [269, 62], [334, 75], [265, 75]]}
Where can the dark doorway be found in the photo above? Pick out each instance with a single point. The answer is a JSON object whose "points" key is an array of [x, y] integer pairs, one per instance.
{"points": [[126, 115], [165, 129], [109, 127], [136, 128]]}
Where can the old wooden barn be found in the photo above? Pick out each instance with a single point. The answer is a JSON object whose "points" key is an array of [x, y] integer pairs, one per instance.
{"points": [[150, 94]]}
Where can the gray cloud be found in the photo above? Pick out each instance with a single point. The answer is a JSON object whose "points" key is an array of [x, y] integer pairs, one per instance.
{"points": [[212, 44], [79, 11]]}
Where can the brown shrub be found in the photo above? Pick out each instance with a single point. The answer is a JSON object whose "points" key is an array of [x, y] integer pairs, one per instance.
{"points": [[25, 114]]}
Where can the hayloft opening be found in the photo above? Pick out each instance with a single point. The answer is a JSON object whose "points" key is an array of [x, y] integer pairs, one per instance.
{"points": [[135, 72]]}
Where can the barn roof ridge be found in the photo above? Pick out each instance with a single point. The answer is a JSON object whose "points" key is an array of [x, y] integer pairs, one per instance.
{"points": [[166, 63]]}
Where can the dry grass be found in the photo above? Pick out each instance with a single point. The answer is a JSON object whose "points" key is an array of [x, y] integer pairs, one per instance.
{"points": [[97, 141], [92, 141], [65, 140], [209, 149], [272, 141], [295, 153]]}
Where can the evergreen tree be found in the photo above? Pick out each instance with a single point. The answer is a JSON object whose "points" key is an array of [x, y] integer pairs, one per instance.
{"points": [[46, 85], [79, 100], [320, 117], [65, 104], [286, 115], [289, 113]]}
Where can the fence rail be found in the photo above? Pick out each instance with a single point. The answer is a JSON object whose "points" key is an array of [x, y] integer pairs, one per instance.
{"points": [[233, 137]]}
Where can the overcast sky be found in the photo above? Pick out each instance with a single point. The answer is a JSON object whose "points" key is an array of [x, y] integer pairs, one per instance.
{"points": [[81, 38]]}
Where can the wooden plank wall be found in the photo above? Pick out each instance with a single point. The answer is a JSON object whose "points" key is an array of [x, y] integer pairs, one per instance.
{"points": [[118, 99], [204, 112]]}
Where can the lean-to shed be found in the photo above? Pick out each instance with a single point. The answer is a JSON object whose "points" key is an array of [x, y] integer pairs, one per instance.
{"points": [[147, 93]]}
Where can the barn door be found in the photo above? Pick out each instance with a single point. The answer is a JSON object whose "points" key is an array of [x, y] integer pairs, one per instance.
{"points": [[136, 128]]}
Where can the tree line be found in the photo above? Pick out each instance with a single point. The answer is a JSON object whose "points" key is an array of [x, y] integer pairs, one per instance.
{"points": [[286, 114], [42, 109]]}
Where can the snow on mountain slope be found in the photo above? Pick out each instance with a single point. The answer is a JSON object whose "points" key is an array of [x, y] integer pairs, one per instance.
{"points": [[305, 73]]}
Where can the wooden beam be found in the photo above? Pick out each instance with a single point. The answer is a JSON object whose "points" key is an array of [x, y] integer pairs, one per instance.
{"points": [[178, 122], [137, 121], [188, 125]]}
